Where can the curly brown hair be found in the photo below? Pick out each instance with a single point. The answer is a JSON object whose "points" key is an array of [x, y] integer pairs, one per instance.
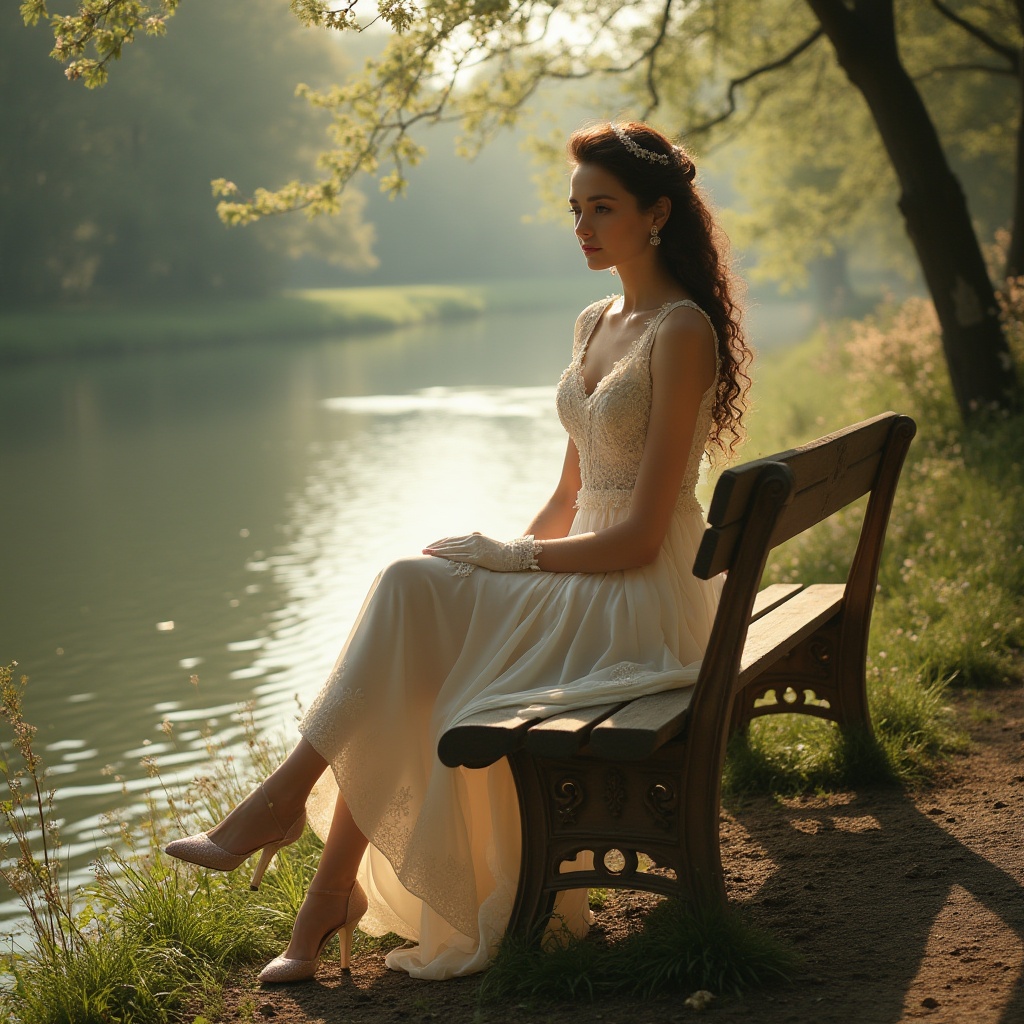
{"points": [[694, 250]]}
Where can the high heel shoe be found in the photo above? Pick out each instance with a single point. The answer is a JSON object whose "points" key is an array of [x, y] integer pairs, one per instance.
{"points": [[202, 850], [283, 969]]}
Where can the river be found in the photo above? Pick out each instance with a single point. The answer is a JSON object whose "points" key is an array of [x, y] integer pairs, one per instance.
{"points": [[187, 532]]}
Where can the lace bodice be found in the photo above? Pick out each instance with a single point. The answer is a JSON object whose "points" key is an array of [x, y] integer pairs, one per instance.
{"points": [[609, 426]]}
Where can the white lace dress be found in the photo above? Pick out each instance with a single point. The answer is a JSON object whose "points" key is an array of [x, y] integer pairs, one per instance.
{"points": [[434, 643]]}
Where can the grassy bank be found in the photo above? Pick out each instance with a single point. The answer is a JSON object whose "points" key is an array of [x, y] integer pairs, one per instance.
{"points": [[49, 333], [290, 316], [949, 613]]}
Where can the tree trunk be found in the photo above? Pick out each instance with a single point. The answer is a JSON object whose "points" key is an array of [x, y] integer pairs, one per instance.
{"points": [[831, 287], [932, 203], [1015, 252]]}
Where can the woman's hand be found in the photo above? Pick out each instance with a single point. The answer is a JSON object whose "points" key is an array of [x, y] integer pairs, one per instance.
{"points": [[499, 556]]}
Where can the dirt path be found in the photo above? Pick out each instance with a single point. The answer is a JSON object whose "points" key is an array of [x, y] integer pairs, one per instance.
{"points": [[904, 907]]}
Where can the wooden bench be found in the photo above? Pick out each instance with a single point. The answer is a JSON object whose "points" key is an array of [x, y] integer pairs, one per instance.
{"points": [[645, 776]]}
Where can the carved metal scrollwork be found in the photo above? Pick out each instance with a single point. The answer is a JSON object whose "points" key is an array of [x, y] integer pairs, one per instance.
{"points": [[661, 802], [821, 651], [569, 796], [614, 791]]}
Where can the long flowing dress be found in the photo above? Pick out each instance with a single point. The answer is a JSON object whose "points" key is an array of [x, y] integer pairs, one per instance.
{"points": [[436, 641]]}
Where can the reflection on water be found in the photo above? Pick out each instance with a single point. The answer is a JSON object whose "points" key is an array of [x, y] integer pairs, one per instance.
{"points": [[220, 516], [184, 533]]}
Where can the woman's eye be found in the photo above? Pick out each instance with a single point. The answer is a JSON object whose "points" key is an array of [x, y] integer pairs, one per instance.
{"points": [[602, 209]]}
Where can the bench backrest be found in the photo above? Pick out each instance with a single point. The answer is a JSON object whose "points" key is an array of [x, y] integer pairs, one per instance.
{"points": [[826, 475], [761, 504]]}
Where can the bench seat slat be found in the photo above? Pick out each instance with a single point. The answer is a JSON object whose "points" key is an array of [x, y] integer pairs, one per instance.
{"points": [[563, 735], [774, 635], [647, 723], [483, 738], [641, 726], [487, 736], [772, 596]]}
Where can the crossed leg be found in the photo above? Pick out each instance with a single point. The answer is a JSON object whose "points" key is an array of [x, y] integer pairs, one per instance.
{"points": [[250, 825]]}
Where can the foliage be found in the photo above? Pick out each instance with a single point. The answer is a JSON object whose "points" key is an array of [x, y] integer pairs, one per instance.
{"points": [[107, 26], [808, 163], [106, 196], [33, 874], [711, 68]]}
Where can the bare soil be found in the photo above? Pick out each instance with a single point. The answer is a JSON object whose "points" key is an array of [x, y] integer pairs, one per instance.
{"points": [[905, 906]]}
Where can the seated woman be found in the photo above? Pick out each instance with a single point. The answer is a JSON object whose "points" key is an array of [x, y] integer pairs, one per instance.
{"points": [[595, 603]]}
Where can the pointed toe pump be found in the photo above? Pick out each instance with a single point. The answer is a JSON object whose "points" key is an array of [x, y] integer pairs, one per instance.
{"points": [[202, 850], [285, 969]]}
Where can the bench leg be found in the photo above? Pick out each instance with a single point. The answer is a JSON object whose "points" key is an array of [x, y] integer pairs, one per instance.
{"points": [[826, 666], [533, 906], [618, 811]]}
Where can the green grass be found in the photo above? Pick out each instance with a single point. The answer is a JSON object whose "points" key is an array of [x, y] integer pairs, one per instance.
{"points": [[292, 315], [151, 939], [288, 317], [678, 949]]}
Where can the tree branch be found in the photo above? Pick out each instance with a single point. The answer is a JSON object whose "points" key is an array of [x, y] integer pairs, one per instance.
{"points": [[1008, 53], [764, 69], [652, 52], [990, 69]]}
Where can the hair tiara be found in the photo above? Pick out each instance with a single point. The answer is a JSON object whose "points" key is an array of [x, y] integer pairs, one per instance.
{"points": [[637, 150]]}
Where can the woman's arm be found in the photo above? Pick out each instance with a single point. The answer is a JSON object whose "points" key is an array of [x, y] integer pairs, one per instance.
{"points": [[682, 369], [555, 518]]}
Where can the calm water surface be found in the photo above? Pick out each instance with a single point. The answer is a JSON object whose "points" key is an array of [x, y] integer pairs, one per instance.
{"points": [[219, 516]]}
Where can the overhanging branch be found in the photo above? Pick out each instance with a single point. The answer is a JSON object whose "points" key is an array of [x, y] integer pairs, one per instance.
{"points": [[989, 69], [1007, 52], [764, 69], [652, 52]]}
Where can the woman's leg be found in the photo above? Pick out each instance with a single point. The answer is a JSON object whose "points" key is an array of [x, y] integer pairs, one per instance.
{"points": [[326, 900], [252, 822]]}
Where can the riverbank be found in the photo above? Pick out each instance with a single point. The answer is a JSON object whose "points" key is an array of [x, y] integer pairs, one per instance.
{"points": [[51, 333], [822, 873]]}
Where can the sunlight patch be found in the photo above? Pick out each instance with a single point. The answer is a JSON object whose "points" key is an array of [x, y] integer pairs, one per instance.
{"points": [[482, 402]]}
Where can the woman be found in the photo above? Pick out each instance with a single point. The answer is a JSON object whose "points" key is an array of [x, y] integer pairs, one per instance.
{"points": [[595, 603]]}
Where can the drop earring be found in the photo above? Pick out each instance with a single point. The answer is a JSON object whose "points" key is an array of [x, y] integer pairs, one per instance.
{"points": [[655, 237]]}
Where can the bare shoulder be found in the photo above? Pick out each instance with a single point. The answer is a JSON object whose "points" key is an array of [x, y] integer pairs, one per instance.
{"points": [[685, 346], [687, 323]]}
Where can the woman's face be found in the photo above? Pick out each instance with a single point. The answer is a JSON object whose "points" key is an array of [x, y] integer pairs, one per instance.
{"points": [[611, 228]]}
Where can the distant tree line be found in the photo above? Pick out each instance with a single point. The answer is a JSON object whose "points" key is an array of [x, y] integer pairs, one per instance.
{"points": [[106, 196]]}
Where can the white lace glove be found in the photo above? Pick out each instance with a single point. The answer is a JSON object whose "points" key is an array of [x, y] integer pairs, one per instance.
{"points": [[476, 549]]}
